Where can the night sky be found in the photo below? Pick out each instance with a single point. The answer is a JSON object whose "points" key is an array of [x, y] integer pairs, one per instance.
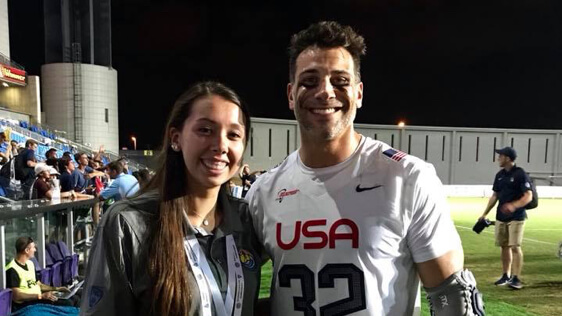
{"points": [[437, 63]]}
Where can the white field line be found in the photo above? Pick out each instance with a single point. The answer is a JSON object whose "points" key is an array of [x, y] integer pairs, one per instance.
{"points": [[526, 239], [543, 229]]}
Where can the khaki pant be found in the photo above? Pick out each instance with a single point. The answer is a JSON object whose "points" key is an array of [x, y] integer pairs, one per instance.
{"points": [[509, 233]]}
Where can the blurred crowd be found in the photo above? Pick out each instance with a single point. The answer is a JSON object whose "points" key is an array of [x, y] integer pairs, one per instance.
{"points": [[24, 175]]}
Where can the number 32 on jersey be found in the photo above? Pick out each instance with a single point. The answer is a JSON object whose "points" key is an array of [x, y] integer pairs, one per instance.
{"points": [[326, 277]]}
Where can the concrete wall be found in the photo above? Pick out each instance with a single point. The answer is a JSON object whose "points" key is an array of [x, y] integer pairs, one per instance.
{"points": [[460, 155], [98, 96], [4, 29]]}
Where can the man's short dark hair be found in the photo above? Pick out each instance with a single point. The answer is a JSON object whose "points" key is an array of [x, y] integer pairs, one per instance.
{"points": [[327, 34], [30, 142], [22, 243], [116, 166], [48, 152], [63, 162], [78, 155]]}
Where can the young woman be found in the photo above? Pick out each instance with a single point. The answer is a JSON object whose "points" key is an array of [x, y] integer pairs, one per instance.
{"points": [[183, 246]]}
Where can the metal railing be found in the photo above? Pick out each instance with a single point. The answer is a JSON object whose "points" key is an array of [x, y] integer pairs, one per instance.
{"points": [[552, 178], [37, 209]]}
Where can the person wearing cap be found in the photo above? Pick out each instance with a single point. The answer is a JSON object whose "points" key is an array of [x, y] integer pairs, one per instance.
{"points": [[512, 188], [42, 188]]}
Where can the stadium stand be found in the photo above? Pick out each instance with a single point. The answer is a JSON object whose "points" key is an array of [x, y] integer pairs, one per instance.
{"points": [[42, 274], [48, 138], [6, 302]]}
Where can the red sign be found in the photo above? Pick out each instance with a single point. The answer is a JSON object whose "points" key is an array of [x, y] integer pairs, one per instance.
{"points": [[12, 75]]}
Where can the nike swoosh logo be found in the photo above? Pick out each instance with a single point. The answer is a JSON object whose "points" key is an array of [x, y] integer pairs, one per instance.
{"points": [[361, 189]]}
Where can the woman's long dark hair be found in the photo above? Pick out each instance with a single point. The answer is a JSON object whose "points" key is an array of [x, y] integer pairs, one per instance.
{"points": [[167, 259]]}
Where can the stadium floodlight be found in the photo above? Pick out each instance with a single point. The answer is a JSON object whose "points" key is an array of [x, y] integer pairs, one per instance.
{"points": [[401, 124]]}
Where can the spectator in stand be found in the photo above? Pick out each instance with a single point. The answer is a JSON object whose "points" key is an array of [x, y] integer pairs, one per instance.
{"points": [[24, 165], [99, 154], [5, 149], [66, 166], [125, 163], [14, 148], [95, 187], [96, 180], [20, 277], [51, 154], [83, 173], [43, 186], [52, 159], [143, 177], [123, 185]]}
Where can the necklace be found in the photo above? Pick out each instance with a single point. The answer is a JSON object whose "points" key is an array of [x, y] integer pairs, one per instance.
{"points": [[205, 219]]}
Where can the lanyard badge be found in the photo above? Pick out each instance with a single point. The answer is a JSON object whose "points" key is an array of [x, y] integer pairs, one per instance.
{"points": [[209, 290]]}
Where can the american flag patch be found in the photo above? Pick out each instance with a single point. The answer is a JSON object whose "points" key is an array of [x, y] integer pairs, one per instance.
{"points": [[394, 154]]}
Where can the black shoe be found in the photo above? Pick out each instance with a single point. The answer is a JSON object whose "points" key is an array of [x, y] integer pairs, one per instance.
{"points": [[503, 280], [515, 283]]}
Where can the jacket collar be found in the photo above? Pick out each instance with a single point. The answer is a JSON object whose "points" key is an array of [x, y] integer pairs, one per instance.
{"points": [[230, 215]]}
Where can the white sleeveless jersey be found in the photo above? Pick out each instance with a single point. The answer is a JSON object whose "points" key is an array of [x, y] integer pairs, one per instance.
{"points": [[344, 239]]}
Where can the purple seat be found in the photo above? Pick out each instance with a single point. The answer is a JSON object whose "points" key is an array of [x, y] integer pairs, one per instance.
{"points": [[42, 274], [66, 268], [56, 267], [6, 302], [66, 253]]}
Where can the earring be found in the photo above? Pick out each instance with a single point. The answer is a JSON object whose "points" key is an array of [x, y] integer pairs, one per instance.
{"points": [[175, 147]]}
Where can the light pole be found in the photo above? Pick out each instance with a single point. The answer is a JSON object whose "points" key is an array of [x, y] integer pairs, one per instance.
{"points": [[134, 139]]}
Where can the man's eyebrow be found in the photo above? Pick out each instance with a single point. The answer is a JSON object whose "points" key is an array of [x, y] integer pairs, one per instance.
{"points": [[315, 71], [309, 71], [341, 72]]}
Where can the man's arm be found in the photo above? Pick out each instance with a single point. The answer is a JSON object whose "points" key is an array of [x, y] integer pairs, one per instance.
{"points": [[512, 206], [68, 194], [110, 191], [94, 173], [19, 296], [97, 155], [46, 288], [434, 272], [491, 202], [30, 159], [450, 290], [31, 163]]}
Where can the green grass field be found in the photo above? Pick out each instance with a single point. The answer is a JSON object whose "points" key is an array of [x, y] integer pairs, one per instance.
{"points": [[542, 271]]}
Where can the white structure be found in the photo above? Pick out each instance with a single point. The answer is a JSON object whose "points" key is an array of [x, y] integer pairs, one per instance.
{"points": [[4, 29], [459, 155], [81, 99]]}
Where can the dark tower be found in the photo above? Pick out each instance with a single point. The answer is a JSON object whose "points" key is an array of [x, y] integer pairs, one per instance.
{"points": [[78, 31]]}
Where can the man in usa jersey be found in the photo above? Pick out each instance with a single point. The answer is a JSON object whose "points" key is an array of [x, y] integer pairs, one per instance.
{"points": [[351, 224]]}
